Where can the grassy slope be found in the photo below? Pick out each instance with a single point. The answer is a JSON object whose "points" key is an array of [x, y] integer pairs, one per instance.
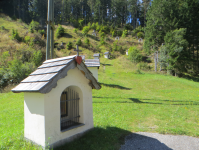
{"points": [[127, 102]]}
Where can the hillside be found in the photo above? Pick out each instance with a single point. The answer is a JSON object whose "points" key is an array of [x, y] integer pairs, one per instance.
{"points": [[129, 101]]}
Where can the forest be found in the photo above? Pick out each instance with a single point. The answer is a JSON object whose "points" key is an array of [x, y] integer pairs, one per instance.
{"points": [[169, 28]]}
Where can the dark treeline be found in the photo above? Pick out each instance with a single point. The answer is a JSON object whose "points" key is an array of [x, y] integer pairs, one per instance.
{"points": [[117, 12]]}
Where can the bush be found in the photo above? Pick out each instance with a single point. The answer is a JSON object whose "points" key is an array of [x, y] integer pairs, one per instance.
{"points": [[89, 25], [119, 33], [69, 45], [93, 26], [15, 35], [128, 27], [81, 24], [87, 42], [105, 29], [75, 30], [42, 32], [14, 18], [34, 25], [37, 58], [114, 34], [140, 35], [27, 39], [125, 33], [138, 29], [135, 55], [102, 42], [143, 66], [102, 34], [79, 42], [2, 28], [85, 30], [60, 31]]}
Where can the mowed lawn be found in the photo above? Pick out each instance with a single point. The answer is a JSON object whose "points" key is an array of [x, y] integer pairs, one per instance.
{"points": [[128, 102]]}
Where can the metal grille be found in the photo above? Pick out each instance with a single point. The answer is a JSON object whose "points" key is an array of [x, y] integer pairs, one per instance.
{"points": [[69, 105]]}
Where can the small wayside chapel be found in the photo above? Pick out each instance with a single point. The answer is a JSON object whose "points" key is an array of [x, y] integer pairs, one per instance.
{"points": [[58, 101]]}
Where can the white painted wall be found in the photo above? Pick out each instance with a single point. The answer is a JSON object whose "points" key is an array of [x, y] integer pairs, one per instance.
{"points": [[107, 56], [46, 128], [34, 117], [94, 71], [96, 57]]}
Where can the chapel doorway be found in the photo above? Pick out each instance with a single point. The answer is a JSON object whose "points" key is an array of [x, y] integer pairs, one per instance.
{"points": [[70, 108]]}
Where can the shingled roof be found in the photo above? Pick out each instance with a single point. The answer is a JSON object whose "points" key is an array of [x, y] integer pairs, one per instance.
{"points": [[46, 76], [92, 62], [96, 55]]}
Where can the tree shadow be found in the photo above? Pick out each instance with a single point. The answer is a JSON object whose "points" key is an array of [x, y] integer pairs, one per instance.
{"points": [[142, 101], [67, 35], [106, 64], [135, 141], [115, 86], [113, 138], [93, 37]]}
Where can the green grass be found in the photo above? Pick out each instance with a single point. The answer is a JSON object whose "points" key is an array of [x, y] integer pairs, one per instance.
{"points": [[128, 102]]}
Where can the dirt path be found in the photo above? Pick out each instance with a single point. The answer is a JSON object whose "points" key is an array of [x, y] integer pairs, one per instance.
{"points": [[155, 141]]}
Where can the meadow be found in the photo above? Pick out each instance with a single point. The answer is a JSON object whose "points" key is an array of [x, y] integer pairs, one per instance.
{"points": [[129, 101]]}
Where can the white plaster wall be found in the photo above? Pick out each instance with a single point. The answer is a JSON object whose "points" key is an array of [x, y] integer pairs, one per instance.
{"points": [[94, 71], [106, 56], [34, 118], [96, 57], [78, 81]]}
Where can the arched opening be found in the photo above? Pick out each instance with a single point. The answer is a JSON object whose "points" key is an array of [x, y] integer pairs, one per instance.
{"points": [[70, 108]]}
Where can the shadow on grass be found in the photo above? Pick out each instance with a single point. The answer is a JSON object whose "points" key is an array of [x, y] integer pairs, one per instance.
{"points": [[98, 139], [113, 138], [142, 101], [93, 37], [106, 64], [115, 86], [67, 35]]}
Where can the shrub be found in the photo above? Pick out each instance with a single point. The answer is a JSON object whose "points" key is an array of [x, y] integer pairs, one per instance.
{"points": [[128, 27], [89, 25], [81, 22], [69, 45], [4, 59], [87, 42], [105, 29], [75, 30], [119, 33], [20, 21], [140, 35], [114, 34], [27, 39], [60, 31], [79, 42], [14, 18], [15, 35], [37, 58], [85, 30], [2, 28], [34, 25], [143, 66], [42, 32], [102, 42], [93, 26], [98, 27], [102, 34], [135, 55], [125, 33]]}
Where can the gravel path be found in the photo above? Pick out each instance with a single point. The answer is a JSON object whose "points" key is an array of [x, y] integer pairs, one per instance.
{"points": [[155, 141]]}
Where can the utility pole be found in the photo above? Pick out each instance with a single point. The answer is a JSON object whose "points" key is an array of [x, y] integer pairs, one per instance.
{"points": [[50, 30]]}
